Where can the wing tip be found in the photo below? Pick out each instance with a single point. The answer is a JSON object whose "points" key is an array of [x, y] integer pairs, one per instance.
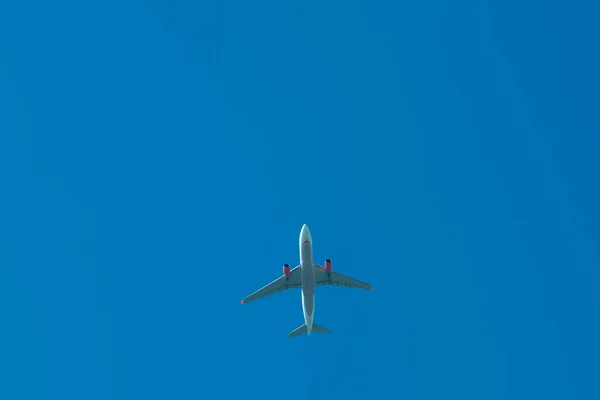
{"points": [[242, 302]]}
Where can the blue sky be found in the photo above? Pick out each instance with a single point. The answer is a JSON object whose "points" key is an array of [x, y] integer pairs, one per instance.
{"points": [[159, 159]]}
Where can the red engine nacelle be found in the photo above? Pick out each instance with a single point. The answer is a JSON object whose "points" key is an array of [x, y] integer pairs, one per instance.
{"points": [[286, 269], [328, 265]]}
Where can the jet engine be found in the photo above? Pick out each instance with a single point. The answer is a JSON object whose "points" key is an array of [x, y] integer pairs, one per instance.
{"points": [[286, 269], [328, 265]]}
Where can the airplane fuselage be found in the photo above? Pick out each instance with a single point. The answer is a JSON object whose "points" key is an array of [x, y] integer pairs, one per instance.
{"points": [[308, 277]]}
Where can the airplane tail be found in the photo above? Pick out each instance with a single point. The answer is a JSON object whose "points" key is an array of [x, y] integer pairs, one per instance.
{"points": [[304, 329]]}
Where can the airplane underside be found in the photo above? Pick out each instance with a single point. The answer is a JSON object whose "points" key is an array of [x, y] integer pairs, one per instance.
{"points": [[307, 276]]}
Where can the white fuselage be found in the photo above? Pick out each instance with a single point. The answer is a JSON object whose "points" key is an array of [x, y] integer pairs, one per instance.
{"points": [[308, 277]]}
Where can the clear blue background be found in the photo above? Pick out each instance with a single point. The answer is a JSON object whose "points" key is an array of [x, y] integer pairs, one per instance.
{"points": [[159, 158]]}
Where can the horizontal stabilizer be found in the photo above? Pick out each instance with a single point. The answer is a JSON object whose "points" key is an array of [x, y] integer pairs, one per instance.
{"points": [[298, 331], [304, 329], [320, 329]]}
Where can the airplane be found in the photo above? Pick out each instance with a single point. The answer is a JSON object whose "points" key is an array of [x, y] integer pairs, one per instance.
{"points": [[307, 276]]}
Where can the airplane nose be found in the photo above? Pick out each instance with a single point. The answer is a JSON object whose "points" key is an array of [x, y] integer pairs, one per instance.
{"points": [[305, 234]]}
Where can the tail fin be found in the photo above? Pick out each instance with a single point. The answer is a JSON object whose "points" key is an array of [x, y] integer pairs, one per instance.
{"points": [[298, 331], [320, 329], [302, 329]]}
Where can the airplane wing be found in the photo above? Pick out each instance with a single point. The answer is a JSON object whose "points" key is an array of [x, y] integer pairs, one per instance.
{"points": [[322, 277], [278, 285]]}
